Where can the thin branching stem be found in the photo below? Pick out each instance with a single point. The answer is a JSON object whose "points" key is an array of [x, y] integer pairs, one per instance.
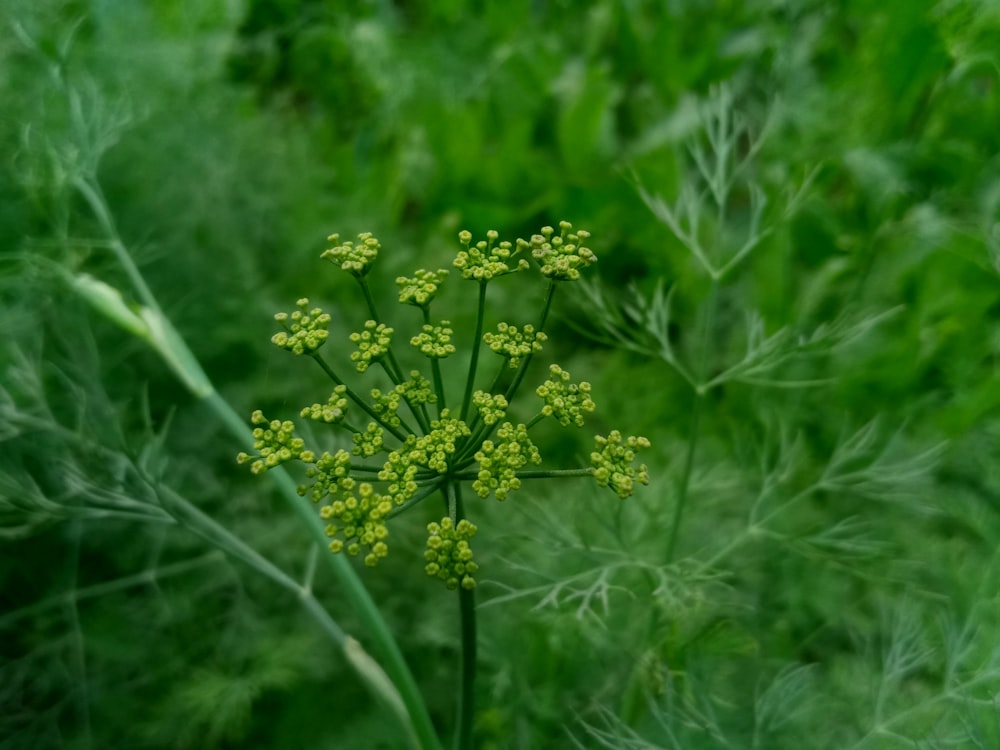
{"points": [[398, 433], [413, 711], [470, 381], [389, 363], [542, 320], [354, 590], [442, 403]]}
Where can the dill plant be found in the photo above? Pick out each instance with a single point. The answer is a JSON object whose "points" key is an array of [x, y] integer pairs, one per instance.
{"points": [[416, 440], [759, 517]]}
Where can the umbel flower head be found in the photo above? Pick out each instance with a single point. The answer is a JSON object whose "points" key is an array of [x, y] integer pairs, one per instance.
{"points": [[373, 344], [421, 288], [560, 257], [410, 445], [487, 259], [355, 259], [275, 443], [613, 462], [515, 344], [434, 341], [305, 330], [565, 401], [448, 555]]}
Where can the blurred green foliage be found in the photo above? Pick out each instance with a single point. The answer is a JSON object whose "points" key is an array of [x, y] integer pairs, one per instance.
{"points": [[232, 137]]}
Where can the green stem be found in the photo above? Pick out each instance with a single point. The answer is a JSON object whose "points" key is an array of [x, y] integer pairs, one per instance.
{"points": [[392, 367], [632, 702], [92, 194], [373, 623], [365, 406], [219, 536], [419, 497], [685, 480], [367, 669], [533, 473], [415, 716], [466, 708], [476, 343], [523, 369], [435, 371]]}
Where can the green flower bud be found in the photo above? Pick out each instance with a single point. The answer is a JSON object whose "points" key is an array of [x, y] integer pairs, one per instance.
{"points": [[449, 555], [612, 463], [355, 259], [484, 261], [373, 344], [305, 330], [513, 344], [499, 461], [275, 443], [562, 257], [565, 401], [421, 288], [333, 411], [492, 408], [434, 341], [369, 442]]}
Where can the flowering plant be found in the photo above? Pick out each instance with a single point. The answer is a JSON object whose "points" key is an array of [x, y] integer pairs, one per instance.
{"points": [[414, 440], [426, 447]]}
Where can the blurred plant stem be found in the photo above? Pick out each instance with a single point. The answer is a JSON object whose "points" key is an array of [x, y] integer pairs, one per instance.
{"points": [[393, 687]]}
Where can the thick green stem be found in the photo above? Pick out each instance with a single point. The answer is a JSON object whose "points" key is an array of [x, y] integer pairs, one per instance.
{"points": [[374, 625], [215, 533], [414, 715], [368, 670], [684, 484], [466, 708], [92, 194]]}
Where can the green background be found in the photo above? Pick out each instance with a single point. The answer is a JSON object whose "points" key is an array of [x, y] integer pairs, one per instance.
{"points": [[230, 138]]}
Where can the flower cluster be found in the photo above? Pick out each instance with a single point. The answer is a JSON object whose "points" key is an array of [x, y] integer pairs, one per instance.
{"points": [[435, 449], [432, 452], [492, 407], [355, 259], [305, 330], [500, 461], [358, 520], [421, 288], [434, 341], [514, 344], [330, 474], [427, 450], [562, 257], [612, 463], [333, 411], [448, 555], [275, 443], [565, 401], [416, 390], [483, 261], [373, 344], [369, 442]]}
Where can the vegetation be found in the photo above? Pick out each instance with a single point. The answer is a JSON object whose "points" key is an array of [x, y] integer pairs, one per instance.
{"points": [[792, 290]]}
